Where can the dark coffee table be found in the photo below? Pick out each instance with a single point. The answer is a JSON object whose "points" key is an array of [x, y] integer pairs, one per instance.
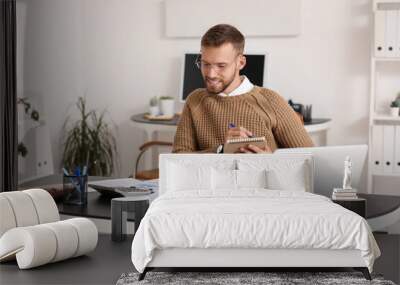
{"points": [[98, 206]]}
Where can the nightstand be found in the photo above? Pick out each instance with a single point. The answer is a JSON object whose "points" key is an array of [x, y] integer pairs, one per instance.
{"points": [[358, 205]]}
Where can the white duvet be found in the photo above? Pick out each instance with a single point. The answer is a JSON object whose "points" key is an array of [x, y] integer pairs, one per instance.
{"points": [[252, 218]]}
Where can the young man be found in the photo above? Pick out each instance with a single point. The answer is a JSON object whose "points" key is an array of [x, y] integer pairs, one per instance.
{"points": [[231, 106]]}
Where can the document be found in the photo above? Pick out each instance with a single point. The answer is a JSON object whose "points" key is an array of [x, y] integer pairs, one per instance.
{"points": [[111, 184]]}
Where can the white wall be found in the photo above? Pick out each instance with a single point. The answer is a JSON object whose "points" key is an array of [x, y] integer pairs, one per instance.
{"points": [[116, 53]]}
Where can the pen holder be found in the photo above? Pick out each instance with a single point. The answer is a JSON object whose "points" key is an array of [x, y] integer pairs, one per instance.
{"points": [[75, 189], [307, 113]]}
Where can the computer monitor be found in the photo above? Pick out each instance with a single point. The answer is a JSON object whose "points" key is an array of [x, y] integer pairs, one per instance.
{"points": [[192, 79], [329, 166]]}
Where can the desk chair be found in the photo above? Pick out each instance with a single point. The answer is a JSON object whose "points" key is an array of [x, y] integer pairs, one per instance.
{"points": [[152, 173]]}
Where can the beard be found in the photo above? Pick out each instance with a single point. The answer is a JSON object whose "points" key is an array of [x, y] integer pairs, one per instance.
{"points": [[217, 85]]}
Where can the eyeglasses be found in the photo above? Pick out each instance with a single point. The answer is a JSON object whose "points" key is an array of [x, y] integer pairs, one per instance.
{"points": [[218, 67]]}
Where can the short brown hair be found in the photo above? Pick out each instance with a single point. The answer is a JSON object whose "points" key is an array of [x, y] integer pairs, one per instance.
{"points": [[221, 34]]}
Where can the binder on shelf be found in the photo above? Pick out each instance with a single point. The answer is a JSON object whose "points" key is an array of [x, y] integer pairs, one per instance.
{"points": [[388, 148], [397, 53], [391, 33], [379, 34], [396, 166], [377, 149]]}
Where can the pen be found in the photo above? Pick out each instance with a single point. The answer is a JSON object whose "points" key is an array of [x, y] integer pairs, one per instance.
{"points": [[77, 171], [65, 172]]}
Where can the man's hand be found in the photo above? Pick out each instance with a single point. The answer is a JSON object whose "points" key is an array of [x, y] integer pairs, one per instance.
{"points": [[241, 132], [254, 149], [237, 132]]}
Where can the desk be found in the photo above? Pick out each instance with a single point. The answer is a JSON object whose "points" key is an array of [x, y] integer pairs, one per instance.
{"points": [[317, 129]]}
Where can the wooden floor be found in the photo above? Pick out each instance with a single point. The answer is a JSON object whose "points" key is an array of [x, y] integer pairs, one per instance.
{"points": [[111, 259]]}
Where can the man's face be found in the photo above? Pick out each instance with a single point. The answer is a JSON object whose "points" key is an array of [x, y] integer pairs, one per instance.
{"points": [[220, 67]]}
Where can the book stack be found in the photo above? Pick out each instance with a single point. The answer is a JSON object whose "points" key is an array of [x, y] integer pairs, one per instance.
{"points": [[344, 194]]}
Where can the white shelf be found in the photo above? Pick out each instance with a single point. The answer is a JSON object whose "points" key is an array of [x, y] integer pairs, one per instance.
{"points": [[377, 3], [386, 118], [387, 174], [390, 59], [383, 72]]}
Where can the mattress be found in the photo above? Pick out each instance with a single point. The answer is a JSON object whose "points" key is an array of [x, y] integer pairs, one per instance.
{"points": [[250, 219]]}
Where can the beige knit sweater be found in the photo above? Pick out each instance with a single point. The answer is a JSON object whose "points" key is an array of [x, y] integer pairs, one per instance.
{"points": [[205, 119]]}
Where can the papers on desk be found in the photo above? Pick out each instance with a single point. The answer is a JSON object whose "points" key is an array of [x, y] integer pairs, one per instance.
{"points": [[124, 182], [125, 186]]}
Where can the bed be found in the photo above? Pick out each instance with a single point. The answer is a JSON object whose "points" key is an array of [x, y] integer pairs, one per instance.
{"points": [[242, 210]]}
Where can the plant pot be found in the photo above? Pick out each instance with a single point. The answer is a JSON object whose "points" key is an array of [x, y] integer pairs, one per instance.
{"points": [[394, 111], [154, 110], [167, 107]]}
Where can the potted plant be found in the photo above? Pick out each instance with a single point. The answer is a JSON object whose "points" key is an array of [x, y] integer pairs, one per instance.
{"points": [[395, 108], [154, 109], [167, 105], [89, 142]]}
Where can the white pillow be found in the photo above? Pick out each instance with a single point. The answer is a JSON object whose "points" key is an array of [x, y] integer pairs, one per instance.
{"points": [[293, 178], [224, 179], [281, 174], [229, 179], [186, 176], [251, 178]]}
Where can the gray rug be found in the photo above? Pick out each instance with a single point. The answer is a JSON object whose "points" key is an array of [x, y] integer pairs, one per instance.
{"points": [[228, 278]]}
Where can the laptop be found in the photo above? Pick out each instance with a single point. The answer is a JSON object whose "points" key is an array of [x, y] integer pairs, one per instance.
{"points": [[329, 166]]}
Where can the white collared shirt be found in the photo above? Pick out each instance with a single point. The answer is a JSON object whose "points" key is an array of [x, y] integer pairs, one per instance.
{"points": [[244, 87]]}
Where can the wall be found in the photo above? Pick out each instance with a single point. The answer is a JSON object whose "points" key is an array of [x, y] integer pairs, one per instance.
{"points": [[116, 54]]}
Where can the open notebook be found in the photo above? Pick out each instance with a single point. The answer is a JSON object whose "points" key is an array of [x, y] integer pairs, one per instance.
{"points": [[233, 145]]}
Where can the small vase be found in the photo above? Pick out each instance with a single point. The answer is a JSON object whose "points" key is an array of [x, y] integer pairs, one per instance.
{"points": [[167, 107], [394, 111]]}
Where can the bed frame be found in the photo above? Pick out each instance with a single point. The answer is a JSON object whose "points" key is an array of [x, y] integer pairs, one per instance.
{"points": [[242, 259]]}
